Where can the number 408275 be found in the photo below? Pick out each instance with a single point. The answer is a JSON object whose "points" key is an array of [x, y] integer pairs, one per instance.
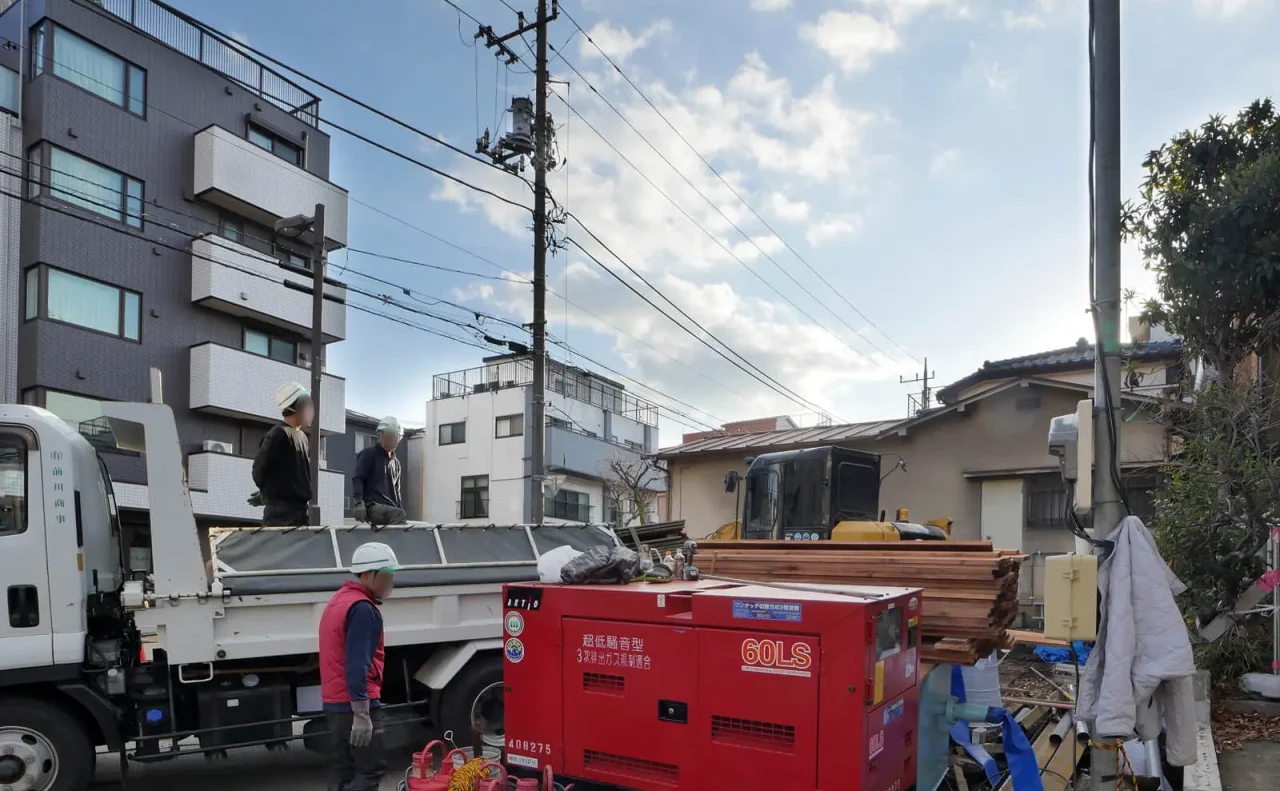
{"points": [[528, 747]]}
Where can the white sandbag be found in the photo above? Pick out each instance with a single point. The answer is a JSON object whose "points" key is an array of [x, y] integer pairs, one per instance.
{"points": [[553, 562]]}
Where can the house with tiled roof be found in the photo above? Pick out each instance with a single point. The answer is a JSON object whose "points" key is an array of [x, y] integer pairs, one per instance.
{"points": [[979, 458]]}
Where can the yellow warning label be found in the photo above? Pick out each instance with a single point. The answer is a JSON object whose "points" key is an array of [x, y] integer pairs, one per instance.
{"points": [[879, 696]]}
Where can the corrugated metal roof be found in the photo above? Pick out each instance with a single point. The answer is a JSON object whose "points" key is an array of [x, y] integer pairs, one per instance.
{"points": [[797, 437]]}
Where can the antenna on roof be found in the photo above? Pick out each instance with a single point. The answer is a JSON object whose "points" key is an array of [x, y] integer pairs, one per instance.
{"points": [[921, 403]]}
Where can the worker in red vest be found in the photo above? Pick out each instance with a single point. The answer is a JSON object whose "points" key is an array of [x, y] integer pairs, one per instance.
{"points": [[351, 659]]}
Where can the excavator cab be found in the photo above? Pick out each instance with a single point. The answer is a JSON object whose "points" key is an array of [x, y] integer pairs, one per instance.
{"points": [[818, 494]]}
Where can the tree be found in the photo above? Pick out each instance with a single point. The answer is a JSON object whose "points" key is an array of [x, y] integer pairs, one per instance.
{"points": [[628, 486], [1208, 222], [1209, 226]]}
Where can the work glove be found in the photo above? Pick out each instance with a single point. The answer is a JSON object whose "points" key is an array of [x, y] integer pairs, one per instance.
{"points": [[361, 724], [360, 512], [255, 499]]}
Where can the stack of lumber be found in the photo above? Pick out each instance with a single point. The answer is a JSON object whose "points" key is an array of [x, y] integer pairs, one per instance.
{"points": [[970, 588]]}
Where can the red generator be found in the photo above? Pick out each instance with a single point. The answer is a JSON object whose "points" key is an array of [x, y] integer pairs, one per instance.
{"points": [[708, 686]]}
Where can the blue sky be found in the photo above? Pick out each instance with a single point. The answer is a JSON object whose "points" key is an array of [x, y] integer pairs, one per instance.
{"points": [[927, 157]]}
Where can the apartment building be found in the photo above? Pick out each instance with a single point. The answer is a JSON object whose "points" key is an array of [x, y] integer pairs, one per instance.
{"points": [[477, 453], [155, 157]]}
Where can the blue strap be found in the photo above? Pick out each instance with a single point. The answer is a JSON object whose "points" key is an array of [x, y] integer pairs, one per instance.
{"points": [[1024, 771]]}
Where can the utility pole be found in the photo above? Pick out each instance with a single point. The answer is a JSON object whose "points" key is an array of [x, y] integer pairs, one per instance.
{"points": [[1108, 505], [926, 393], [317, 352], [516, 145]]}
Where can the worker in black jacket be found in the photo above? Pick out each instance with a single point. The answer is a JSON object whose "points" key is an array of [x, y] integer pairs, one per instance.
{"points": [[282, 468], [375, 485]]}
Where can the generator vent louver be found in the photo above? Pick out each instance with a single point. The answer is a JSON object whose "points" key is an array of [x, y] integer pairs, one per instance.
{"points": [[753, 733], [634, 768], [604, 684]]}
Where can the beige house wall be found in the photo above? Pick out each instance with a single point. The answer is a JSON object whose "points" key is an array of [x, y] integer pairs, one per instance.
{"points": [[947, 458]]}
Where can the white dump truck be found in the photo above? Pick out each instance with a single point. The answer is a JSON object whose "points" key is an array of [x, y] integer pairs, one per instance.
{"points": [[201, 651]]}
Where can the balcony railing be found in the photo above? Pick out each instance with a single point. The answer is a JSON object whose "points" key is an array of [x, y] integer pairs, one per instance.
{"points": [[566, 380], [180, 32], [473, 508], [570, 512]]}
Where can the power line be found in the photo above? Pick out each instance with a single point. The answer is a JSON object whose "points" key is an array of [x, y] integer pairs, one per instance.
{"points": [[767, 380], [750, 239], [725, 181]]}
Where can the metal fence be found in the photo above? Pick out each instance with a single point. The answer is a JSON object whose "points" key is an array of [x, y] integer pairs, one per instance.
{"points": [[188, 36], [563, 379]]}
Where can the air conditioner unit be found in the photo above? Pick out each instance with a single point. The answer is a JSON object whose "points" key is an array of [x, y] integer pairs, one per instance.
{"points": [[214, 446]]}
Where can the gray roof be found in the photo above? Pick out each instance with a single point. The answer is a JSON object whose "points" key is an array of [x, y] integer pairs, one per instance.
{"points": [[759, 442], [1070, 358]]}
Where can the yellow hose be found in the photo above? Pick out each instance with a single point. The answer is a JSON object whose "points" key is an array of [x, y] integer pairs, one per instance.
{"points": [[468, 776]]}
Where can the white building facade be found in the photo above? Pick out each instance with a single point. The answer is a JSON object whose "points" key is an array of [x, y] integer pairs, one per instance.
{"points": [[477, 450]]}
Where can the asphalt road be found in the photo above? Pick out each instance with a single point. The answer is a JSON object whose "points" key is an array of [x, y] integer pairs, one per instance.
{"points": [[248, 769]]}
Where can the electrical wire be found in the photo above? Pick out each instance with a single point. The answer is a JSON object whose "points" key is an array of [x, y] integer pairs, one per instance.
{"points": [[759, 376], [725, 181], [716, 207]]}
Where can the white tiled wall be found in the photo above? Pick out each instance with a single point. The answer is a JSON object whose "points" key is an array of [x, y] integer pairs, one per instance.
{"points": [[233, 166], [234, 382], [253, 284]]}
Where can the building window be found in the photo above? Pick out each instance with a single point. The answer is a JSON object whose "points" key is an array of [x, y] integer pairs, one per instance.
{"points": [[88, 66], [72, 299], [265, 344], [268, 141], [555, 422], [86, 184], [13, 483], [231, 228], [568, 505], [293, 258], [365, 441], [475, 496], [633, 445], [509, 426], [1044, 501], [453, 433], [8, 90]]}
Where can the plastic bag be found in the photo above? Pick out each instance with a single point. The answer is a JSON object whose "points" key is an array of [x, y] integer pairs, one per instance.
{"points": [[553, 561], [603, 565]]}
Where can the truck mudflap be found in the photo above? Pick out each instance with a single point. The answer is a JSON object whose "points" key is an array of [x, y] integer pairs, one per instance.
{"points": [[103, 712]]}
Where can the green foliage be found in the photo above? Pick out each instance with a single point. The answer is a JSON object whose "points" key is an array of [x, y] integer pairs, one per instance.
{"points": [[1208, 222], [1215, 513]]}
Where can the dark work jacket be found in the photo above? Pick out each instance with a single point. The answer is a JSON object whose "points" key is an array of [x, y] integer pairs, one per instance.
{"points": [[282, 468], [377, 477]]}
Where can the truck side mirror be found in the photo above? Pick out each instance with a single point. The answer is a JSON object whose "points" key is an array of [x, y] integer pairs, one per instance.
{"points": [[731, 481]]}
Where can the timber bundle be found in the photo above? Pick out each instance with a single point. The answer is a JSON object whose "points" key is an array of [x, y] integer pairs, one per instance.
{"points": [[970, 588]]}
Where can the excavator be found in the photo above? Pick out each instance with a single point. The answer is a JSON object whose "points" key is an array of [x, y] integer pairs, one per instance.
{"points": [[818, 494]]}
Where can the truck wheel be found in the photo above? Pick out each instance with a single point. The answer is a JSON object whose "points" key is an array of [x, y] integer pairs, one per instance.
{"points": [[475, 693], [43, 748]]}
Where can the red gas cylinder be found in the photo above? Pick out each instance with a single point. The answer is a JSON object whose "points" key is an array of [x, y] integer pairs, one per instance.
{"points": [[426, 775]]}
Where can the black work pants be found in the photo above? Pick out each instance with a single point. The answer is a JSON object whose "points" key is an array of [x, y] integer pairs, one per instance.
{"points": [[355, 768], [285, 514]]}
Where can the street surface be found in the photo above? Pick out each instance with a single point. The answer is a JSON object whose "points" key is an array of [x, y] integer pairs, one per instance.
{"points": [[249, 769]]}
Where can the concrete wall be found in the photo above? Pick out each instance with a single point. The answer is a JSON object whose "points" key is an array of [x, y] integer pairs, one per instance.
{"points": [[947, 459]]}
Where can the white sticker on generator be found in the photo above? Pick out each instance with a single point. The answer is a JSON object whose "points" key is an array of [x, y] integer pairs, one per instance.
{"points": [[522, 760]]}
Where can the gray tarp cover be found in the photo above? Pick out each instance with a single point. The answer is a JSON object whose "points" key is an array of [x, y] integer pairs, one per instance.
{"points": [[275, 549]]}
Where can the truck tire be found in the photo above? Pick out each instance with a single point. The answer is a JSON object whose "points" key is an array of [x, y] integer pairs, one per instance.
{"points": [[475, 691], [49, 745]]}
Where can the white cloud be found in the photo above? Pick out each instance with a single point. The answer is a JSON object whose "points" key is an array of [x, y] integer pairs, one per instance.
{"points": [[903, 11], [830, 228], [618, 42], [770, 5], [1024, 21], [944, 162], [852, 38], [1227, 8], [787, 209], [760, 132], [999, 79]]}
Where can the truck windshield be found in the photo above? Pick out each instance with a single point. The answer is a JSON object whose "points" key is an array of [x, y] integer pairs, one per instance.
{"points": [[761, 505]]}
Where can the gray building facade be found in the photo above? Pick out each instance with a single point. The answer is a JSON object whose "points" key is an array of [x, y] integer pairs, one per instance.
{"points": [[362, 432], [155, 157]]}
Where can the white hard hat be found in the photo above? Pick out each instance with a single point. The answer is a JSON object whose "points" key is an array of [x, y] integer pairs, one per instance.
{"points": [[373, 557], [288, 395], [390, 425]]}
